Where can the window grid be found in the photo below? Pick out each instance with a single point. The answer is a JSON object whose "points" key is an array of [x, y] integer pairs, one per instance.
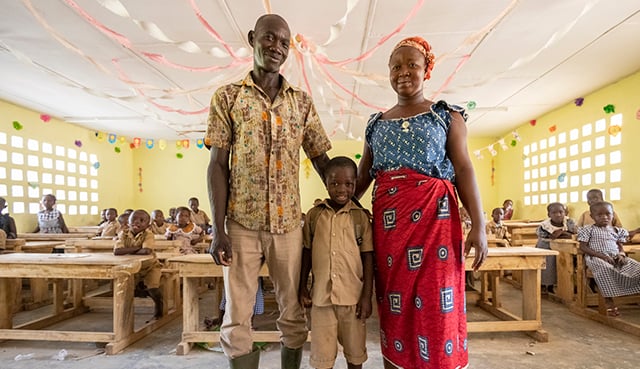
{"points": [[570, 159], [57, 167]]}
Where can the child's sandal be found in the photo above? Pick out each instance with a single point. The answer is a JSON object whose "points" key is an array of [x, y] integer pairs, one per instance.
{"points": [[613, 312]]}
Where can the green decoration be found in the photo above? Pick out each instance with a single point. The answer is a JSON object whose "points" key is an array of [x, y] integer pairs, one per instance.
{"points": [[17, 126], [358, 156], [116, 149], [514, 143], [179, 155]]}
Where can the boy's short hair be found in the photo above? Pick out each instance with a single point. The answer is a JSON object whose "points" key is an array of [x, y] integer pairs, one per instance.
{"points": [[193, 199], [123, 218], [340, 162], [495, 209], [556, 204], [180, 209], [599, 204]]}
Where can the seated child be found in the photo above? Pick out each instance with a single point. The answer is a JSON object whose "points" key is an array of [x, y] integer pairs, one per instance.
{"points": [[495, 228], [50, 220], [123, 220], [342, 269], [103, 216], [595, 195], [199, 217], [556, 226], [172, 216], [137, 239], [184, 229], [465, 220], [7, 223], [158, 224], [111, 227], [507, 206], [615, 273]]}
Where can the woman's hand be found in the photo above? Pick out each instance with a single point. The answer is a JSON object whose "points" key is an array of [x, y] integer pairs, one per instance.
{"points": [[478, 240]]}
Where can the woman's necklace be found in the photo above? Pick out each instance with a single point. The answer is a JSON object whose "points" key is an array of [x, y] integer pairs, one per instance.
{"points": [[405, 126]]}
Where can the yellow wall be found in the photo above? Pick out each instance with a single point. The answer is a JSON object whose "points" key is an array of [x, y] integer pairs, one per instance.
{"points": [[115, 173], [625, 96]]}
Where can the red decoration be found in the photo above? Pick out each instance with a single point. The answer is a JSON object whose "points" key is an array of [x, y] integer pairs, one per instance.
{"points": [[533, 122], [45, 118], [136, 142], [185, 144], [552, 128]]}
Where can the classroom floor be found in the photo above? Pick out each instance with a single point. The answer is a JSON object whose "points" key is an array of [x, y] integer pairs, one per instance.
{"points": [[574, 342]]}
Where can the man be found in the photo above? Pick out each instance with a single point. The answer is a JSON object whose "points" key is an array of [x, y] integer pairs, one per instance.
{"points": [[255, 129]]}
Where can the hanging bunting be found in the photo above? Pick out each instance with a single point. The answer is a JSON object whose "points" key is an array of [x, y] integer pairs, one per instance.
{"points": [[513, 142], [149, 144], [162, 144], [112, 138], [199, 143], [136, 142]]}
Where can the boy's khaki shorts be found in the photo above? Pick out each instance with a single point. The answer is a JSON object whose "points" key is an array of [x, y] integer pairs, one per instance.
{"points": [[335, 324]]}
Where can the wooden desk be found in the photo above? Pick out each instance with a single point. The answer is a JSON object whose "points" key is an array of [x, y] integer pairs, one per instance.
{"points": [[497, 242], [106, 245], [530, 260], [14, 244], [83, 229], [54, 236], [119, 269]]}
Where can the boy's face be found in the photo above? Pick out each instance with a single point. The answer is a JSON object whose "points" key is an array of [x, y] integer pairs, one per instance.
{"points": [[158, 217], [193, 204], [497, 215], [602, 215], [48, 202], [111, 215], [172, 212], [184, 218], [593, 197], [138, 221], [341, 184], [556, 214]]}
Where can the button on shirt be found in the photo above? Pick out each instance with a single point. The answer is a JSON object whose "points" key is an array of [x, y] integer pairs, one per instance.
{"points": [[336, 261], [264, 141]]}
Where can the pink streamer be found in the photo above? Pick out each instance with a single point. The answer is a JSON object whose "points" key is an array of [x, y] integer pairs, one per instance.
{"points": [[326, 73], [162, 60], [450, 78], [380, 42], [300, 60], [106, 30]]}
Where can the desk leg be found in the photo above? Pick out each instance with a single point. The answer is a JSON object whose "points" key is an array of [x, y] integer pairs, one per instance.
{"points": [[564, 265], [531, 302], [190, 312], [58, 295], [123, 313], [7, 298]]}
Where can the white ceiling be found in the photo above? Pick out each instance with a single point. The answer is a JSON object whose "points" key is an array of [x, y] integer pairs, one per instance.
{"points": [[147, 68]]}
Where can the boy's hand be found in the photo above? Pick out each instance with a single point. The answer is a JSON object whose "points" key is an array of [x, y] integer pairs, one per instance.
{"points": [[363, 308], [143, 251], [304, 297]]}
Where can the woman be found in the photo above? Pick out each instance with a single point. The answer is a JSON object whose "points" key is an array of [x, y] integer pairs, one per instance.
{"points": [[414, 151]]}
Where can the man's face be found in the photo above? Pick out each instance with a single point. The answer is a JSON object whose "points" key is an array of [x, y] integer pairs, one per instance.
{"points": [[270, 41]]}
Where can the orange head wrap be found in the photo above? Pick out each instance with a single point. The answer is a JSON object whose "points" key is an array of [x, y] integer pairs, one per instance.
{"points": [[421, 45]]}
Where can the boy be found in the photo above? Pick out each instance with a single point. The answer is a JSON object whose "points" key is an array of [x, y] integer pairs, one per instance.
{"points": [[158, 224], [137, 239], [338, 250], [111, 227], [7, 224], [495, 228], [594, 195], [199, 217], [186, 230]]}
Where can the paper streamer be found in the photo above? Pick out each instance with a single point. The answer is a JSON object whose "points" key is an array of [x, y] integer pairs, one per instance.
{"points": [[336, 29]]}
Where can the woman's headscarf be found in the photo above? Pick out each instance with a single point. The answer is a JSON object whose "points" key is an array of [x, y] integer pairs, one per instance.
{"points": [[421, 45]]}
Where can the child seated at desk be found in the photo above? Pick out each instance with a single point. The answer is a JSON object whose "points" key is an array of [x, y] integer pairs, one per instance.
{"points": [[158, 224], [595, 195], [111, 227], [556, 226], [495, 228], [137, 239], [7, 223], [184, 229], [172, 216], [199, 217], [50, 220], [507, 207], [615, 273]]}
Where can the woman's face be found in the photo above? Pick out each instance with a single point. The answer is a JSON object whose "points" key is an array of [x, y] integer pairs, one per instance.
{"points": [[407, 68]]}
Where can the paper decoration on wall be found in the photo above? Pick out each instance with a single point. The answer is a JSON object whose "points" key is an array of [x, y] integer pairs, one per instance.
{"points": [[553, 128], [562, 177], [358, 156], [185, 144], [17, 126], [117, 149], [45, 118], [199, 143], [149, 144], [515, 137], [162, 144], [178, 144], [136, 142], [614, 130], [77, 143], [609, 109], [132, 146], [96, 165], [112, 138], [493, 173], [533, 122], [471, 105], [179, 155], [306, 166], [122, 139], [33, 184], [140, 179], [579, 101], [100, 136]]}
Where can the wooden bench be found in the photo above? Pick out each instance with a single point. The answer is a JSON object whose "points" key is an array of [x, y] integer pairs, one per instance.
{"points": [[191, 268], [524, 236], [83, 229], [106, 245]]}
